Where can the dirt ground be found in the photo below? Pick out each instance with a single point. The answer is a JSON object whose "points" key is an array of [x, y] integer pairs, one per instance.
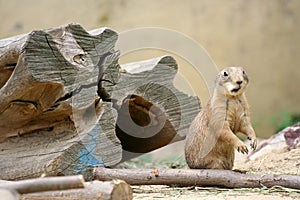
{"points": [[280, 161]]}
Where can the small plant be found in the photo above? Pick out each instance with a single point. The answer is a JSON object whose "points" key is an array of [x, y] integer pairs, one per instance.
{"points": [[284, 120]]}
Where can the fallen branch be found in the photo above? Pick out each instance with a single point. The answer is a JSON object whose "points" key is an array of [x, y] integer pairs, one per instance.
{"points": [[188, 177], [43, 184], [115, 189]]}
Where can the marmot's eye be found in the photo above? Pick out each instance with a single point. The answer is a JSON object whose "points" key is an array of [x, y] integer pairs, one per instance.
{"points": [[225, 74]]}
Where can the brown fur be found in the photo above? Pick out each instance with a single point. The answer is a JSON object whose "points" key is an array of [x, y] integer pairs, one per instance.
{"points": [[212, 138]]}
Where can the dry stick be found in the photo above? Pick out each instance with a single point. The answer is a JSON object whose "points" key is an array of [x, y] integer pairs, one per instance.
{"points": [[44, 184], [190, 177], [116, 189]]}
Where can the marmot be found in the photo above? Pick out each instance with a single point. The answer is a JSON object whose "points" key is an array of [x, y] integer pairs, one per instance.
{"points": [[212, 138]]}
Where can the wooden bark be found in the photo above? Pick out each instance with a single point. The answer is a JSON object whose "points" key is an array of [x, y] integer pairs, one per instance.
{"points": [[44, 184], [66, 105], [188, 177], [112, 190]]}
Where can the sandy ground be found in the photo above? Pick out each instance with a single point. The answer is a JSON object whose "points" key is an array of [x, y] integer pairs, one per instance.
{"points": [[164, 192], [280, 161]]}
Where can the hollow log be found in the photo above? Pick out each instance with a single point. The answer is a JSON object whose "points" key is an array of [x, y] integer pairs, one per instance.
{"points": [[193, 177], [153, 113], [66, 105]]}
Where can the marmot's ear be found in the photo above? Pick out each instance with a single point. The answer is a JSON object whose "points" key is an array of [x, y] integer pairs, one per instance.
{"points": [[246, 78]]}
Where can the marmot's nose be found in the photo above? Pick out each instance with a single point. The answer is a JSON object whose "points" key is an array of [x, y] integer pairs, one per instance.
{"points": [[239, 82]]}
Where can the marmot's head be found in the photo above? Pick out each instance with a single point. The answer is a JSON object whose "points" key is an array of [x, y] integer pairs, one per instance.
{"points": [[234, 80]]}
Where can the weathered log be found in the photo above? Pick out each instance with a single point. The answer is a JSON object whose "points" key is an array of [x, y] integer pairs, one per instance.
{"points": [[192, 177], [112, 190], [65, 107], [48, 67], [50, 100], [44, 184], [153, 113]]}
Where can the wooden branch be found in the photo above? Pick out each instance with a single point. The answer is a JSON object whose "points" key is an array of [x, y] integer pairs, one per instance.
{"points": [[44, 184], [9, 194], [113, 190], [189, 177]]}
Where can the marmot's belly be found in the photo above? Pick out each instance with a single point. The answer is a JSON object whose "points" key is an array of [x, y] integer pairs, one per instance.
{"points": [[221, 156], [234, 117]]}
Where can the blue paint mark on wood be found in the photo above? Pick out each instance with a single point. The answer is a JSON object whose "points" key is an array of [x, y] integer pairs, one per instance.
{"points": [[86, 156]]}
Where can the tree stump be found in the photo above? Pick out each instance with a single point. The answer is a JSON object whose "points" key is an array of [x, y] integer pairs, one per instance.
{"points": [[66, 105]]}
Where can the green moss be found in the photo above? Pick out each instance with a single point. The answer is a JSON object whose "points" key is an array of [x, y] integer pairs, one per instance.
{"points": [[284, 120]]}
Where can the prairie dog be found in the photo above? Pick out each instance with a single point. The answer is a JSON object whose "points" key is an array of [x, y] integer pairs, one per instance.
{"points": [[211, 139]]}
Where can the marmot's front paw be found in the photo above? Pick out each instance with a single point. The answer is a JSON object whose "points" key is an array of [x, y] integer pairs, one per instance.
{"points": [[253, 142], [241, 147]]}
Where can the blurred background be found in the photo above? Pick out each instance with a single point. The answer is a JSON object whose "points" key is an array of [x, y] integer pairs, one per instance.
{"points": [[261, 36]]}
